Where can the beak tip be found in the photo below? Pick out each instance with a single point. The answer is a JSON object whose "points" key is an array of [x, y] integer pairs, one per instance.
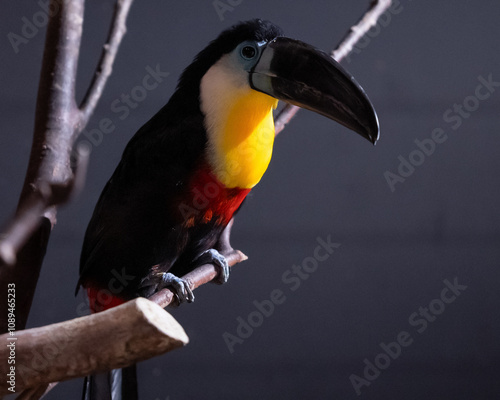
{"points": [[373, 134]]}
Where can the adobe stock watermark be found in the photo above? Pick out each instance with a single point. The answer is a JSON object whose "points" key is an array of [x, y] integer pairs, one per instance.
{"points": [[224, 6], [454, 117], [383, 22], [11, 337], [291, 280], [30, 27], [121, 108], [419, 320]]}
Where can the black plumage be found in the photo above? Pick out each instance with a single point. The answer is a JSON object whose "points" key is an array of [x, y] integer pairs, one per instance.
{"points": [[136, 223]]}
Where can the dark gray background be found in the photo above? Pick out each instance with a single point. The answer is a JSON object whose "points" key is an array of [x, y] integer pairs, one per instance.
{"points": [[396, 248]]}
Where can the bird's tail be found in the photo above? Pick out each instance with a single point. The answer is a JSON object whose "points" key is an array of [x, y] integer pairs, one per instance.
{"points": [[118, 384]]}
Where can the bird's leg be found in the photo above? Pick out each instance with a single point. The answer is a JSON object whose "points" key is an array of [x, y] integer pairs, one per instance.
{"points": [[222, 249], [212, 256], [157, 280], [223, 244]]}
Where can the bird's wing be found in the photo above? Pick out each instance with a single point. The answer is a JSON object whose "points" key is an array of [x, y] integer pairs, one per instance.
{"points": [[135, 212]]}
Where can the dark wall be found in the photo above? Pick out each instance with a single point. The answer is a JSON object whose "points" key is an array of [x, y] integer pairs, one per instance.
{"points": [[400, 237]]}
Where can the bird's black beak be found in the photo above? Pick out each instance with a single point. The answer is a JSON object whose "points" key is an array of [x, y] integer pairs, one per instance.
{"points": [[295, 72]]}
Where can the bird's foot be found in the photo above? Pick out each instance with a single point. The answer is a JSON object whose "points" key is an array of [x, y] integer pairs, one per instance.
{"points": [[159, 280], [212, 256]]}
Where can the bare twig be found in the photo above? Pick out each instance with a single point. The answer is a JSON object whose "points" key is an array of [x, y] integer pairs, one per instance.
{"points": [[108, 56], [50, 180], [369, 19], [116, 338]]}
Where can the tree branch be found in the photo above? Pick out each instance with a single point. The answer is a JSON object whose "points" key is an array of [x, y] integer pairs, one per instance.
{"points": [[45, 195], [50, 180], [108, 55], [344, 48], [115, 338]]}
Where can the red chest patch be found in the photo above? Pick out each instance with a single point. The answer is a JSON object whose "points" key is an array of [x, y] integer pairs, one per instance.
{"points": [[209, 199]]}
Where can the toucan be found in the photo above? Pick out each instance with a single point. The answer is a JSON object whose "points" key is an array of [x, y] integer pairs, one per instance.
{"points": [[187, 171]]}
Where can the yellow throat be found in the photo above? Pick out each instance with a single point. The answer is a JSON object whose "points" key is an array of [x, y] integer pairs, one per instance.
{"points": [[240, 127]]}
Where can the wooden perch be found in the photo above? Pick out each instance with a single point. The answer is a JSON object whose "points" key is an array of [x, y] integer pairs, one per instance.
{"points": [[196, 278], [121, 336]]}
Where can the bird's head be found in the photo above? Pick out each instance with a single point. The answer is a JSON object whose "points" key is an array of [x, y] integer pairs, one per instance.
{"points": [[241, 75], [255, 53]]}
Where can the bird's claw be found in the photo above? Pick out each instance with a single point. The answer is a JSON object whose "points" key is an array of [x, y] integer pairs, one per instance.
{"points": [[212, 256], [181, 287], [162, 280]]}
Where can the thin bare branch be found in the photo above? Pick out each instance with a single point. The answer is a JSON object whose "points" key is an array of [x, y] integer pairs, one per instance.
{"points": [[108, 55], [115, 338], [369, 19]]}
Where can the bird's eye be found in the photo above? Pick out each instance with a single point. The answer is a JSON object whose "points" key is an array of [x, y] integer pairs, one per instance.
{"points": [[248, 52]]}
